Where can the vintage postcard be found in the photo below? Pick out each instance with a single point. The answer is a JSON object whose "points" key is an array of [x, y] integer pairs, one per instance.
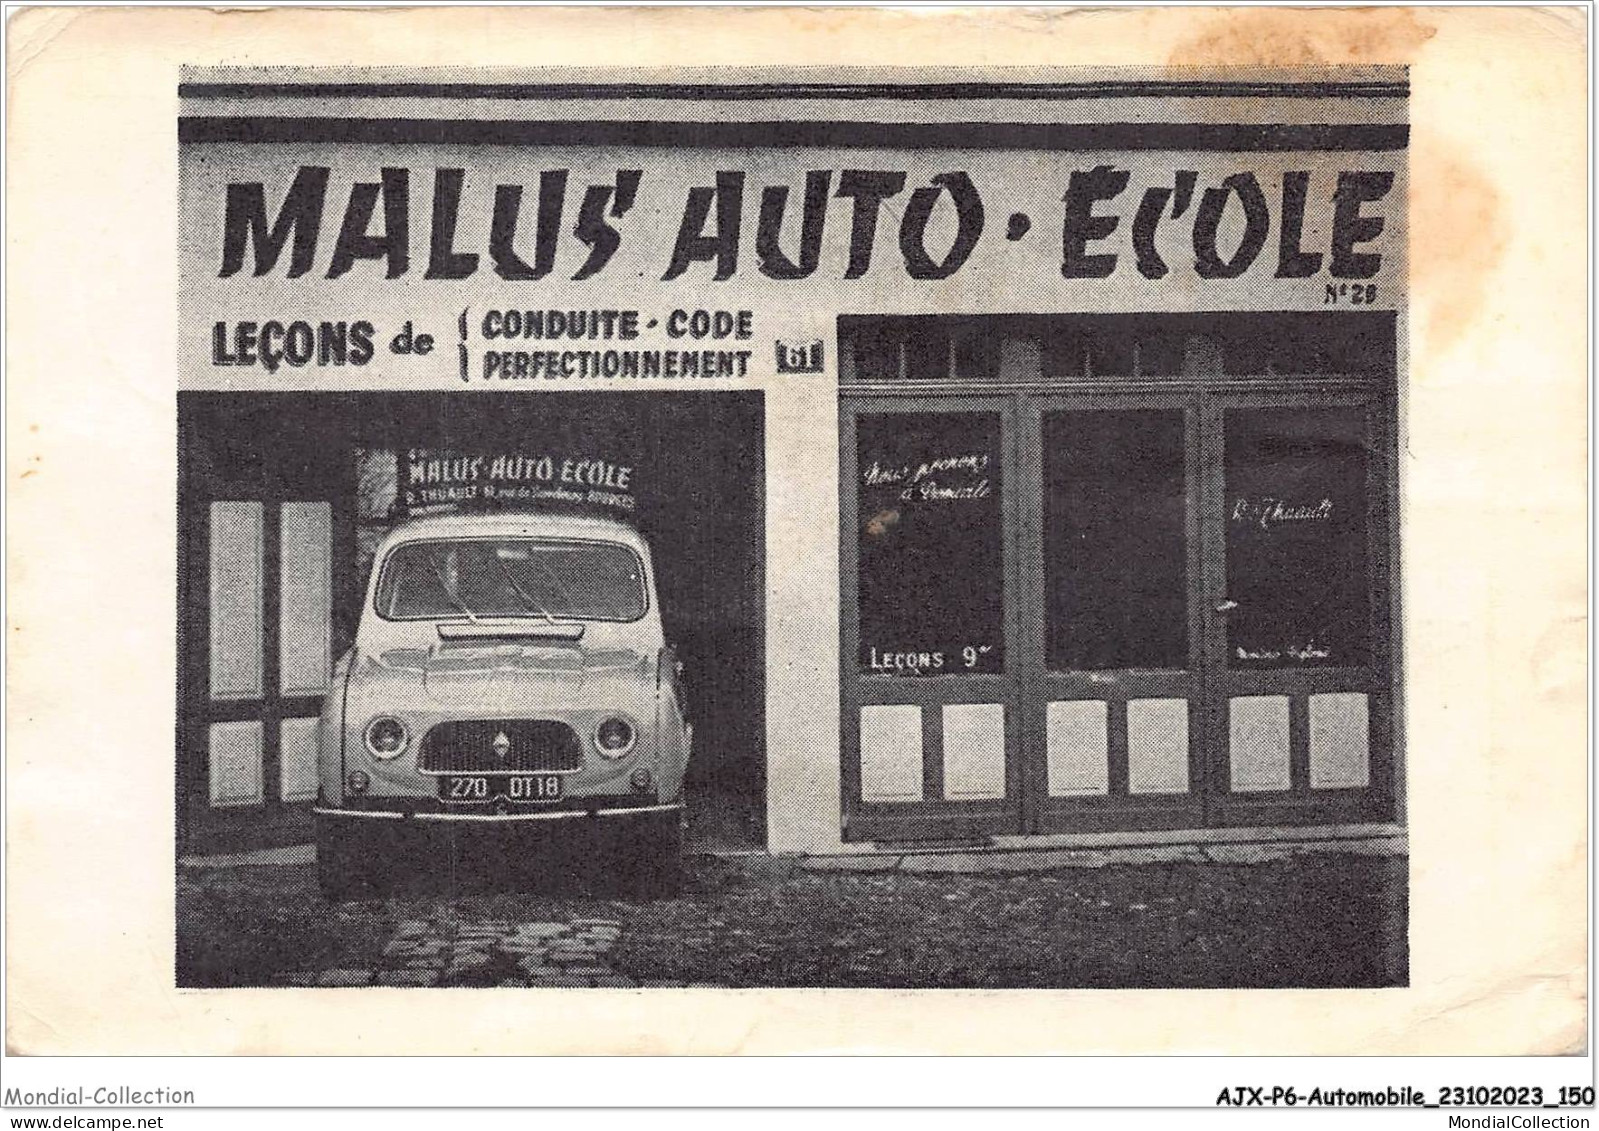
{"points": [[1101, 512]]}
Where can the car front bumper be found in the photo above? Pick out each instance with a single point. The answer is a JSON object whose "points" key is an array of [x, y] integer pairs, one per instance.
{"points": [[611, 808]]}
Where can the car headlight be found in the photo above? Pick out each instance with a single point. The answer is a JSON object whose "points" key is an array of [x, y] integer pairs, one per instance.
{"points": [[614, 737], [386, 737]]}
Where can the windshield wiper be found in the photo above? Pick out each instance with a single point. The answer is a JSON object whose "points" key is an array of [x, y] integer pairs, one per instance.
{"points": [[528, 602], [555, 581], [449, 590]]}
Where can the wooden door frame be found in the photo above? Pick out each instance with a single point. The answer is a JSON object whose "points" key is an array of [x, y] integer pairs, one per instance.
{"points": [[1299, 804], [1118, 808], [200, 825], [932, 817]]}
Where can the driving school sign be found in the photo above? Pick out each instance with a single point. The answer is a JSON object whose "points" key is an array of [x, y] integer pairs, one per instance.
{"points": [[432, 479], [1088, 207], [439, 237]]}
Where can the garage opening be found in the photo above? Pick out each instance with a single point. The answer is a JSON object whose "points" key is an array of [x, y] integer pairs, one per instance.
{"points": [[283, 496]]}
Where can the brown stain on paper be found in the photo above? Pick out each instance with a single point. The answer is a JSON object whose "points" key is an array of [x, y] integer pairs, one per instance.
{"points": [[1278, 37], [1459, 230], [1458, 225]]}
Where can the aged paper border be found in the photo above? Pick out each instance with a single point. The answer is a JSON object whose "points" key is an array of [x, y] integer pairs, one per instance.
{"points": [[1493, 543]]}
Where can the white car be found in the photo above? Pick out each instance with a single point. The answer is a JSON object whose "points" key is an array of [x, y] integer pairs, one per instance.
{"points": [[510, 670]]}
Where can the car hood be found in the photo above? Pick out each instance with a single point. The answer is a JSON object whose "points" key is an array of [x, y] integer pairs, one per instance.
{"points": [[472, 673]]}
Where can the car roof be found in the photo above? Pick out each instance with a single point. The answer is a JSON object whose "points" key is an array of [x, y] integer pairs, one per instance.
{"points": [[524, 524]]}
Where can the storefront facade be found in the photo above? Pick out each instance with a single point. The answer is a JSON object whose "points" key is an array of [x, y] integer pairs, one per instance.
{"points": [[1070, 502], [1113, 572]]}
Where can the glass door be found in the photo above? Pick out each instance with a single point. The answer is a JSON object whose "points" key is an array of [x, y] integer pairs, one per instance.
{"points": [[929, 699], [1203, 602], [1296, 610], [1112, 665], [1070, 613]]}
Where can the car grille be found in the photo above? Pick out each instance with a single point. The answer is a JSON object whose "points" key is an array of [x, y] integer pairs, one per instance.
{"points": [[468, 747]]}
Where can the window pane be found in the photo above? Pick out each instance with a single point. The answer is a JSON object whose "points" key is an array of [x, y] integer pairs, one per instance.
{"points": [[977, 354], [927, 353], [1115, 540], [1296, 538], [931, 537], [876, 353]]}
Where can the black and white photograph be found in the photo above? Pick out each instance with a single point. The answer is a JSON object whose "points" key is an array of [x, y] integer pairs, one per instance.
{"points": [[475, 685], [685, 532]]}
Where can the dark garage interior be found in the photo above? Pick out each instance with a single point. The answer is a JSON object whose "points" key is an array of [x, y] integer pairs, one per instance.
{"points": [[698, 478]]}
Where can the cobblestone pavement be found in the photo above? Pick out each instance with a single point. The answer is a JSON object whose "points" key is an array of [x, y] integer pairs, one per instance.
{"points": [[1218, 915], [448, 950]]}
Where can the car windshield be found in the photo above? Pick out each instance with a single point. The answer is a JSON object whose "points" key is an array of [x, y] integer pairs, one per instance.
{"points": [[512, 577]]}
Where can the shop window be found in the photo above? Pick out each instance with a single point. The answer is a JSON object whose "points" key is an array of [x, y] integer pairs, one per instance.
{"points": [[1065, 354], [1297, 579], [1161, 354], [931, 544], [1115, 540], [1307, 343], [1112, 352]]}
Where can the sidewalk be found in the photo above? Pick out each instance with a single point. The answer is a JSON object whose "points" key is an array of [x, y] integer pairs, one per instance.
{"points": [[1015, 854]]}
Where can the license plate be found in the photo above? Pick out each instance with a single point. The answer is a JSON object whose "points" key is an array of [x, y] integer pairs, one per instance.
{"points": [[510, 787]]}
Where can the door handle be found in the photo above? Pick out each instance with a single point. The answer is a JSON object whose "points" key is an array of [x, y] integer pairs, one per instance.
{"points": [[1226, 606]]}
